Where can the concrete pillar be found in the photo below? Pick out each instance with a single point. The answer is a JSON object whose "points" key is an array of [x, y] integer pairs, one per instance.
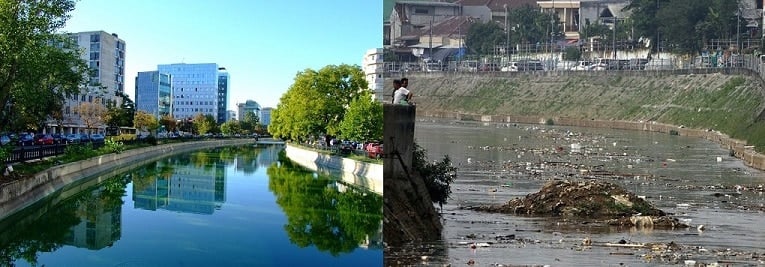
{"points": [[398, 140]]}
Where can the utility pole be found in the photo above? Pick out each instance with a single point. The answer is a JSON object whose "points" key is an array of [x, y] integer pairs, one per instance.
{"points": [[614, 41], [430, 40], [657, 31], [507, 40], [738, 30]]}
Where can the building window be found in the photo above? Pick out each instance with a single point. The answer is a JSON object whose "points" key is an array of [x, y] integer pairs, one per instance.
{"points": [[421, 11], [94, 38]]}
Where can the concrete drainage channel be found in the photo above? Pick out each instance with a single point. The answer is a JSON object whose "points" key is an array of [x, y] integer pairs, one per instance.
{"points": [[17, 195]]}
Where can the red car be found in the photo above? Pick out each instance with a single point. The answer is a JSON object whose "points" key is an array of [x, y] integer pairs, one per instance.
{"points": [[374, 150], [44, 139]]}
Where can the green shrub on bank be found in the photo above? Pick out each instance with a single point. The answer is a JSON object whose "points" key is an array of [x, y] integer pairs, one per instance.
{"points": [[111, 146], [77, 152], [438, 175]]}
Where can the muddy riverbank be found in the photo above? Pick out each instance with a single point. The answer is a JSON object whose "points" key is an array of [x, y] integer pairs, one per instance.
{"points": [[692, 179]]}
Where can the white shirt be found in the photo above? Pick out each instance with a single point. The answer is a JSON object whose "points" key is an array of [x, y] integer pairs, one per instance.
{"points": [[400, 95]]}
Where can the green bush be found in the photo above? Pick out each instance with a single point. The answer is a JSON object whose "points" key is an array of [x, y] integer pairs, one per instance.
{"points": [[111, 146], [75, 152], [572, 53], [438, 175]]}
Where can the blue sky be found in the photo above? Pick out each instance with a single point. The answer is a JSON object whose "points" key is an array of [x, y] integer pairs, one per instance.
{"points": [[262, 44]]}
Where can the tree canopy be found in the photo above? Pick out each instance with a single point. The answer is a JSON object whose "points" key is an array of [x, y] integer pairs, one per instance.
{"points": [[39, 68], [145, 121], [684, 26], [205, 123], [316, 102], [483, 37], [363, 121]]}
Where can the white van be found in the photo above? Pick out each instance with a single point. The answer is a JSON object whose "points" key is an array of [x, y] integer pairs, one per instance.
{"points": [[582, 65], [510, 66]]}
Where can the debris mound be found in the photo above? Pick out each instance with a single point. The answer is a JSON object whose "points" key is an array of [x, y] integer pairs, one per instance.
{"points": [[588, 199]]}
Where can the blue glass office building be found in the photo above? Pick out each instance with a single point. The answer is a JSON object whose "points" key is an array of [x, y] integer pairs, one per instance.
{"points": [[153, 93]]}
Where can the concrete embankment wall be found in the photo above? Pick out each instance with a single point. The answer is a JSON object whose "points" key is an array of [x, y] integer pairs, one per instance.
{"points": [[367, 175], [724, 108], [17, 195]]}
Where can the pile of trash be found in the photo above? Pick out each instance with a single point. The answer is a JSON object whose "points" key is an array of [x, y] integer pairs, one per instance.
{"points": [[590, 199]]}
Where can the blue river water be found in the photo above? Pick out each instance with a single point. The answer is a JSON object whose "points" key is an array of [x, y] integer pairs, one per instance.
{"points": [[241, 206]]}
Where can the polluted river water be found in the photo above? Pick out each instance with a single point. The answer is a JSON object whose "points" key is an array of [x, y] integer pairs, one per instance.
{"points": [[694, 180]]}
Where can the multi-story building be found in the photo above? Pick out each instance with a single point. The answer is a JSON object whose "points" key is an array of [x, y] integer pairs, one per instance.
{"points": [[223, 86], [407, 17], [247, 106], [105, 54], [265, 116], [153, 93], [195, 89], [231, 115], [188, 189], [372, 65]]}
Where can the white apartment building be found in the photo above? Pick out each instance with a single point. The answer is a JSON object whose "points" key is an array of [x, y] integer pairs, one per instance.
{"points": [[104, 53], [373, 67]]}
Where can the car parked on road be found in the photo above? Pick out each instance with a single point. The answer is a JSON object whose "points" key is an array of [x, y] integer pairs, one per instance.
{"points": [[72, 138], [4, 139], [58, 138], [26, 139], [97, 138], [84, 138], [43, 139], [374, 150]]}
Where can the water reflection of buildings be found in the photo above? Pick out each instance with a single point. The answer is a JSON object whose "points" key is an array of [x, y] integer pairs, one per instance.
{"points": [[269, 154], [189, 189], [99, 226]]}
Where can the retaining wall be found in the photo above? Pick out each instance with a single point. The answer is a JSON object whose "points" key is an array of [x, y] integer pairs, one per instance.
{"points": [[17, 195], [738, 148], [367, 175]]}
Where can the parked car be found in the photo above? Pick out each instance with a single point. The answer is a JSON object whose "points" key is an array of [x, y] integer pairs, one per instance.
{"points": [[638, 63], [530, 65], [43, 139], [72, 138], [510, 66], [489, 67], [582, 65], [374, 150], [97, 138], [4, 139], [84, 138], [58, 138], [26, 139]]}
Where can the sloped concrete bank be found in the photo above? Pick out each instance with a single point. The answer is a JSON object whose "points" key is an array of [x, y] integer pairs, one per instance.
{"points": [[366, 175], [17, 195], [724, 108]]}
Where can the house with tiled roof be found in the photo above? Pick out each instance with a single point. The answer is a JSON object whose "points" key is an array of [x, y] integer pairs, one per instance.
{"points": [[408, 17], [443, 39], [494, 10]]}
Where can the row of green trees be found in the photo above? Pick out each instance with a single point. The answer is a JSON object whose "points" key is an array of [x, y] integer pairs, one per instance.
{"points": [[332, 101], [682, 26], [200, 124]]}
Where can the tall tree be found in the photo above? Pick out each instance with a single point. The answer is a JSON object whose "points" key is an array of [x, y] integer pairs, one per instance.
{"points": [[168, 122], [316, 102], [363, 121], [205, 123], [482, 38], [684, 26], [92, 114], [38, 66], [249, 123], [529, 25], [121, 115], [145, 121]]}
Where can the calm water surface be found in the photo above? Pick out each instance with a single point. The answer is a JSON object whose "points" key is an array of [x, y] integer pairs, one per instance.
{"points": [[677, 174], [219, 207]]}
